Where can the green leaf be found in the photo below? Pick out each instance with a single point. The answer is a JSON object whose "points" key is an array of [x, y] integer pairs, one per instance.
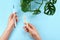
{"points": [[37, 11], [53, 1], [25, 5], [49, 8]]}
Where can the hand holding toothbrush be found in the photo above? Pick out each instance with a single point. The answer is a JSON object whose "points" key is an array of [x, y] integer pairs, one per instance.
{"points": [[11, 24], [32, 30]]}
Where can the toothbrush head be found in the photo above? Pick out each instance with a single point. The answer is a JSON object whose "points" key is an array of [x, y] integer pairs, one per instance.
{"points": [[25, 21]]}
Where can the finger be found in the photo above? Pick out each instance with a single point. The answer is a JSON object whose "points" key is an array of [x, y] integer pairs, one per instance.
{"points": [[16, 18], [14, 14], [11, 16], [31, 26], [27, 26], [26, 29]]}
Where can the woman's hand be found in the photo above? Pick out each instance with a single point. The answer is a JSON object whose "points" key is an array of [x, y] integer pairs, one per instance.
{"points": [[32, 30], [12, 19], [11, 24]]}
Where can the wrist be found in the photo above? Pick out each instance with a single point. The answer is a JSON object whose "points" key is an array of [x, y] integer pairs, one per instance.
{"points": [[10, 26], [38, 38]]}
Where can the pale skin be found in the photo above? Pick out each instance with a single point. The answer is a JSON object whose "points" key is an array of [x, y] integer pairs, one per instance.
{"points": [[11, 24], [32, 30]]}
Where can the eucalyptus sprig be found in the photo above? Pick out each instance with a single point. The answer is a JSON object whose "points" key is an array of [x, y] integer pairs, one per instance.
{"points": [[49, 8]]}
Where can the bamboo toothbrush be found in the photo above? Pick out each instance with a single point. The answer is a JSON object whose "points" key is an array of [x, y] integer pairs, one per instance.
{"points": [[25, 21]]}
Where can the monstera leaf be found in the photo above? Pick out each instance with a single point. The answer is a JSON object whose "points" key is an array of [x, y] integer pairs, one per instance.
{"points": [[49, 8], [53, 1]]}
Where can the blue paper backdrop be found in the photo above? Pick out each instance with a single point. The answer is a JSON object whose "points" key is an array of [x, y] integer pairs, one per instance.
{"points": [[47, 26]]}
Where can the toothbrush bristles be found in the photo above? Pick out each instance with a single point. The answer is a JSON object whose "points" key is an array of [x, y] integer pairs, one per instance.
{"points": [[25, 21]]}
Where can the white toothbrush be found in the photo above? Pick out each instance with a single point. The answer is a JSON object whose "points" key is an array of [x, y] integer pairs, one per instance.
{"points": [[13, 12]]}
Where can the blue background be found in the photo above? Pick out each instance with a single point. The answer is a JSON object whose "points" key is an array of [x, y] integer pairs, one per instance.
{"points": [[47, 26]]}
